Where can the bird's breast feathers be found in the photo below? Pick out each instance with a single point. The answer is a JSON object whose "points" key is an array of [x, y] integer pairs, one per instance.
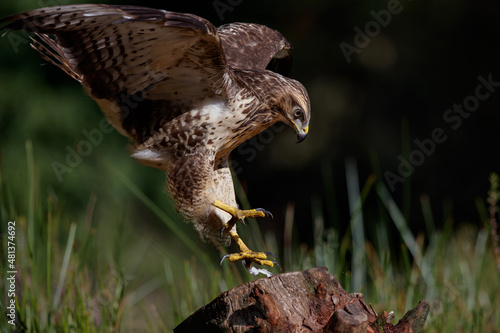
{"points": [[215, 124]]}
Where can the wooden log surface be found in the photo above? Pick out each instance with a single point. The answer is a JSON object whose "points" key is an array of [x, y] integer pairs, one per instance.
{"points": [[307, 301]]}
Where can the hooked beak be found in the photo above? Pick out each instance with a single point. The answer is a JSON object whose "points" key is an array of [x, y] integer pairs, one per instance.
{"points": [[301, 134]]}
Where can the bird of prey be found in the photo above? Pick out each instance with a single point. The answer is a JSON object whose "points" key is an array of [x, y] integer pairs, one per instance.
{"points": [[183, 91]]}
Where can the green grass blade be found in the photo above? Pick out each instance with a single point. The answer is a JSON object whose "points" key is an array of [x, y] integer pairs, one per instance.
{"points": [[64, 267], [406, 149], [356, 201], [330, 195], [31, 195], [358, 262], [399, 220], [427, 212]]}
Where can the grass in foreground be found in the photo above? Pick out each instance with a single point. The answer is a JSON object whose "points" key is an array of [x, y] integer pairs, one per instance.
{"points": [[79, 274]]}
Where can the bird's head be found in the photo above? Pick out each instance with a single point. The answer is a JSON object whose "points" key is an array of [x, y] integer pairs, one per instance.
{"points": [[294, 108], [287, 99]]}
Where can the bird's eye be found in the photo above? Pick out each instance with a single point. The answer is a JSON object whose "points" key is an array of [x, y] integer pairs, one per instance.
{"points": [[298, 113]]}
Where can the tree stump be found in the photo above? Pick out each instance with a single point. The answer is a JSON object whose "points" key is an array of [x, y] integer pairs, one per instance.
{"points": [[308, 301]]}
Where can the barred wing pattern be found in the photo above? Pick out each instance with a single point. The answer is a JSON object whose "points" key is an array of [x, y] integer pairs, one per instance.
{"points": [[128, 55], [254, 46]]}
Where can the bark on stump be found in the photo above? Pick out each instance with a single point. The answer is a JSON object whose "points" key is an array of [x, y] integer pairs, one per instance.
{"points": [[308, 301]]}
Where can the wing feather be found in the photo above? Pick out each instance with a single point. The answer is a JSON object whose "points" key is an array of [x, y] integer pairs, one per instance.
{"points": [[127, 49], [254, 46], [123, 53]]}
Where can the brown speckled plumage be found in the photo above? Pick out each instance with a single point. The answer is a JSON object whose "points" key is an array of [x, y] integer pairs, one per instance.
{"points": [[184, 92]]}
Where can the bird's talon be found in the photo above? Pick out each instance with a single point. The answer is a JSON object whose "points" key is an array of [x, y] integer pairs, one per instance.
{"points": [[224, 258], [277, 264], [266, 212], [270, 254]]}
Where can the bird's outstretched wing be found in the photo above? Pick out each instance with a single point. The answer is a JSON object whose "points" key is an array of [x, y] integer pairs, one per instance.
{"points": [[130, 58], [145, 66], [255, 46]]}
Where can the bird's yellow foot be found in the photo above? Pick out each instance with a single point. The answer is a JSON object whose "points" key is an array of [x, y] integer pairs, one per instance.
{"points": [[247, 256], [239, 214], [259, 258]]}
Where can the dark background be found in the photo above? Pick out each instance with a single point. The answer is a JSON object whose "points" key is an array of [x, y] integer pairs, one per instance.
{"points": [[394, 91]]}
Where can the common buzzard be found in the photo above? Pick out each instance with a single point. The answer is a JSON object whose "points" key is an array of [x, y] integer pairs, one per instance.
{"points": [[183, 91]]}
